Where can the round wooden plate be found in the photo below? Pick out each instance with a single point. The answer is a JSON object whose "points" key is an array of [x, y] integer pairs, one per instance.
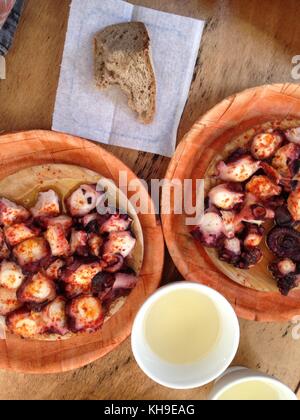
{"points": [[26, 149], [208, 138]]}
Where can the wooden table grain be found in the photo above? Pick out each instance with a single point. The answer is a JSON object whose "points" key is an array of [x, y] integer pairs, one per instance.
{"points": [[244, 45]]}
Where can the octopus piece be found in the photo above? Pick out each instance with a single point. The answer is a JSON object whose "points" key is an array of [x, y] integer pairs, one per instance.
{"points": [[231, 225], [55, 317], [231, 251], [11, 213], [20, 232], [122, 286], [293, 135], [116, 223], [57, 240], [263, 188], [93, 221], [288, 283], [32, 252], [85, 314], [210, 230], [273, 174], [125, 281], [64, 221], [2, 238], [265, 145], [8, 301], [95, 243], [90, 223], [90, 218], [54, 271], [283, 217], [253, 212], [26, 324], [238, 171], [79, 277], [84, 200], [47, 205], [253, 236], [275, 203], [121, 243], [284, 243], [113, 263], [285, 273], [285, 159], [250, 258], [225, 197], [102, 283], [294, 204], [286, 267], [4, 252], [79, 243], [233, 245], [11, 275], [72, 291], [37, 290]]}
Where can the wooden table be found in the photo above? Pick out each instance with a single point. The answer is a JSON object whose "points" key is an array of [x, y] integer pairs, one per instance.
{"points": [[243, 46]]}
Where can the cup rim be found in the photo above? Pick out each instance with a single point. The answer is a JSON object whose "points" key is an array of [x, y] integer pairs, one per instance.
{"points": [[184, 285], [253, 377]]}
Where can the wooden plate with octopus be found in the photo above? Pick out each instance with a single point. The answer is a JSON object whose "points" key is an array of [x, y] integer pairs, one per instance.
{"points": [[246, 241], [76, 262]]}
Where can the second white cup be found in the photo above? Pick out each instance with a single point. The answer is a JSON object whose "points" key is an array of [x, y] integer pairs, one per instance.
{"points": [[243, 384]]}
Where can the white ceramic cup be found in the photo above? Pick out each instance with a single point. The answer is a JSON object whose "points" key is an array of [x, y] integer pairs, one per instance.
{"points": [[240, 375], [187, 376]]}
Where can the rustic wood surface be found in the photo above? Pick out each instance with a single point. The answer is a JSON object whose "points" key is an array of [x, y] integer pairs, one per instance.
{"points": [[243, 46]]}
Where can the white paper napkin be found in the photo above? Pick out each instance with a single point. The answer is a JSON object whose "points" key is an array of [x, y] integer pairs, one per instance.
{"points": [[84, 110]]}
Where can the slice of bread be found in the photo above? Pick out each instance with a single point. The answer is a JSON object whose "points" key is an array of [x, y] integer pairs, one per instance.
{"points": [[123, 57]]}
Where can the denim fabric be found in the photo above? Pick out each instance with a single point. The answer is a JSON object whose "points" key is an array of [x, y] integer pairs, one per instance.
{"points": [[8, 30]]}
